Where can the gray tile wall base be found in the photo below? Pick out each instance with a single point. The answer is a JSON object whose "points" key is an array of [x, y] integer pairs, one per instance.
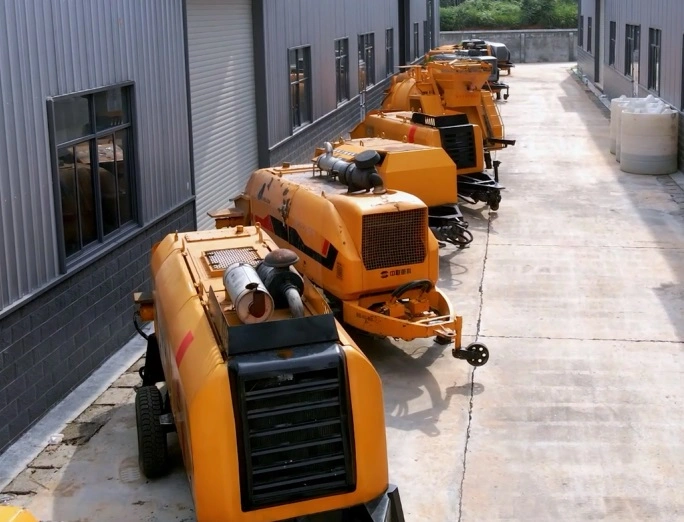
{"points": [[50, 345]]}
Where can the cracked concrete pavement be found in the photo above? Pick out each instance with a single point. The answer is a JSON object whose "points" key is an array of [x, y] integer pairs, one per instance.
{"points": [[575, 285]]}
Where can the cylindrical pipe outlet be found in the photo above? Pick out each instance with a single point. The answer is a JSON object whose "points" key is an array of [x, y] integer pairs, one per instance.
{"points": [[251, 300]]}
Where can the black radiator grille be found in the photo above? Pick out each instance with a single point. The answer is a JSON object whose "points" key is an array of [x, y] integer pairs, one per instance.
{"points": [[459, 143], [394, 238], [295, 436]]}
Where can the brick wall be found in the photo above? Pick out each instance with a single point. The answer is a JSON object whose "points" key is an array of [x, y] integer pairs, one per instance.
{"points": [[51, 344], [300, 147]]}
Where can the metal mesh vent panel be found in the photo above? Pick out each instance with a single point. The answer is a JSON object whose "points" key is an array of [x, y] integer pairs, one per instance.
{"points": [[222, 259], [298, 437], [459, 143], [394, 239]]}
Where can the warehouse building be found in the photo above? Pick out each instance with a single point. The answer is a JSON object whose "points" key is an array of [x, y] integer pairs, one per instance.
{"points": [[635, 48], [122, 121]]}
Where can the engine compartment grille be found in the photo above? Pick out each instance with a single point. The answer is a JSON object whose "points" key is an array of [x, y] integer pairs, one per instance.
{"points": [[296, 435], [459, 143], [222, 259], [394, 238]]}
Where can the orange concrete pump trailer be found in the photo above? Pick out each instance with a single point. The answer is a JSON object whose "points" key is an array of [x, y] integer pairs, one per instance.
{"points": [[279, 415]]}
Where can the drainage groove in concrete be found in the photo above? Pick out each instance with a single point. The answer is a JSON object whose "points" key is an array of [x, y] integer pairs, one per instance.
{"points": [[472, 373]]}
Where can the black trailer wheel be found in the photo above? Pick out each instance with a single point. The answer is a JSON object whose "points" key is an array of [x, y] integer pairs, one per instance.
{"points": [[153, 454], [481, 355]]}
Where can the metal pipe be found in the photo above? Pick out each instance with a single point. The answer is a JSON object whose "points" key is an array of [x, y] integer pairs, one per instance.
{"points": [[361, 174], [294, 301]]}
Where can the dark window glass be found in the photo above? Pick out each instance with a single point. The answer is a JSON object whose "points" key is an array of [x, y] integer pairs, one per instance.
{"points": [[300, 86], [416, 39], [426, 37], [389, 52], [654, 36], [342, 69], [72, 118], [632, 44], [111, 109], [94, 165], [366, 61]]}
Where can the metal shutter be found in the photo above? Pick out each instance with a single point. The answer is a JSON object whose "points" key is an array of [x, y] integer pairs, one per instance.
{"points": [[221, 66]]}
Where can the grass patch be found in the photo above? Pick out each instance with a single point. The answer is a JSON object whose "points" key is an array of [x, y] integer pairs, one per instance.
{"points": [[508, 14]]}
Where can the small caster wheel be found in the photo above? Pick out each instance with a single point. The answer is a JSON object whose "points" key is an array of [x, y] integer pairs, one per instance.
{"points": [[480, 355], [505, 96], [494, 201]]}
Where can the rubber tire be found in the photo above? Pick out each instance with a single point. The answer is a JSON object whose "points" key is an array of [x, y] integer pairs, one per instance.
{"points": [[153, 453], [481, 348]]}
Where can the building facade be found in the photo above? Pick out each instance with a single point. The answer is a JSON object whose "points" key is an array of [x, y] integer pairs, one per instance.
{"points": [[635, 48], [124, 121]]}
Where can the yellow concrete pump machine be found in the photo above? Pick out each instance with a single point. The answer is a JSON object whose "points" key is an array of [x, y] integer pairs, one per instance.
{"points": [[442, 104], [368, 247], [279, 415], [426, 172]]}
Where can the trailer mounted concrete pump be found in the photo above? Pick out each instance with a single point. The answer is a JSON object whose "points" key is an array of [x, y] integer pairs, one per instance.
{"points": [[367, 246], [426, 172], [279, 414], [442, 104]]}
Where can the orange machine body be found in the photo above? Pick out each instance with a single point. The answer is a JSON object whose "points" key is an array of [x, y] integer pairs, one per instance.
{"points": [[441, 88], [198, 333], [422, 169], [464, 147], [373, 254]]}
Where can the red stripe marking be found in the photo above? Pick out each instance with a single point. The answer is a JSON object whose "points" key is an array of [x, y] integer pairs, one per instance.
{"points": [[265, 222], [412, 133], [326, 247], [185, 343]]}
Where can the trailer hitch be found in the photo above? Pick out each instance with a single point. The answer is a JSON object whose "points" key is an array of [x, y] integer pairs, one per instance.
{"points": [[501, 141], [476, 354]]}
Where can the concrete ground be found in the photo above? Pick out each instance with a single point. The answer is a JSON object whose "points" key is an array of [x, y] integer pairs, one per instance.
{"points": [[575, 285]]}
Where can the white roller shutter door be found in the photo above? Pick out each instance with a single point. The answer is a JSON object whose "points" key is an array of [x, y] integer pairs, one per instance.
{"points": [[221, 66]]}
